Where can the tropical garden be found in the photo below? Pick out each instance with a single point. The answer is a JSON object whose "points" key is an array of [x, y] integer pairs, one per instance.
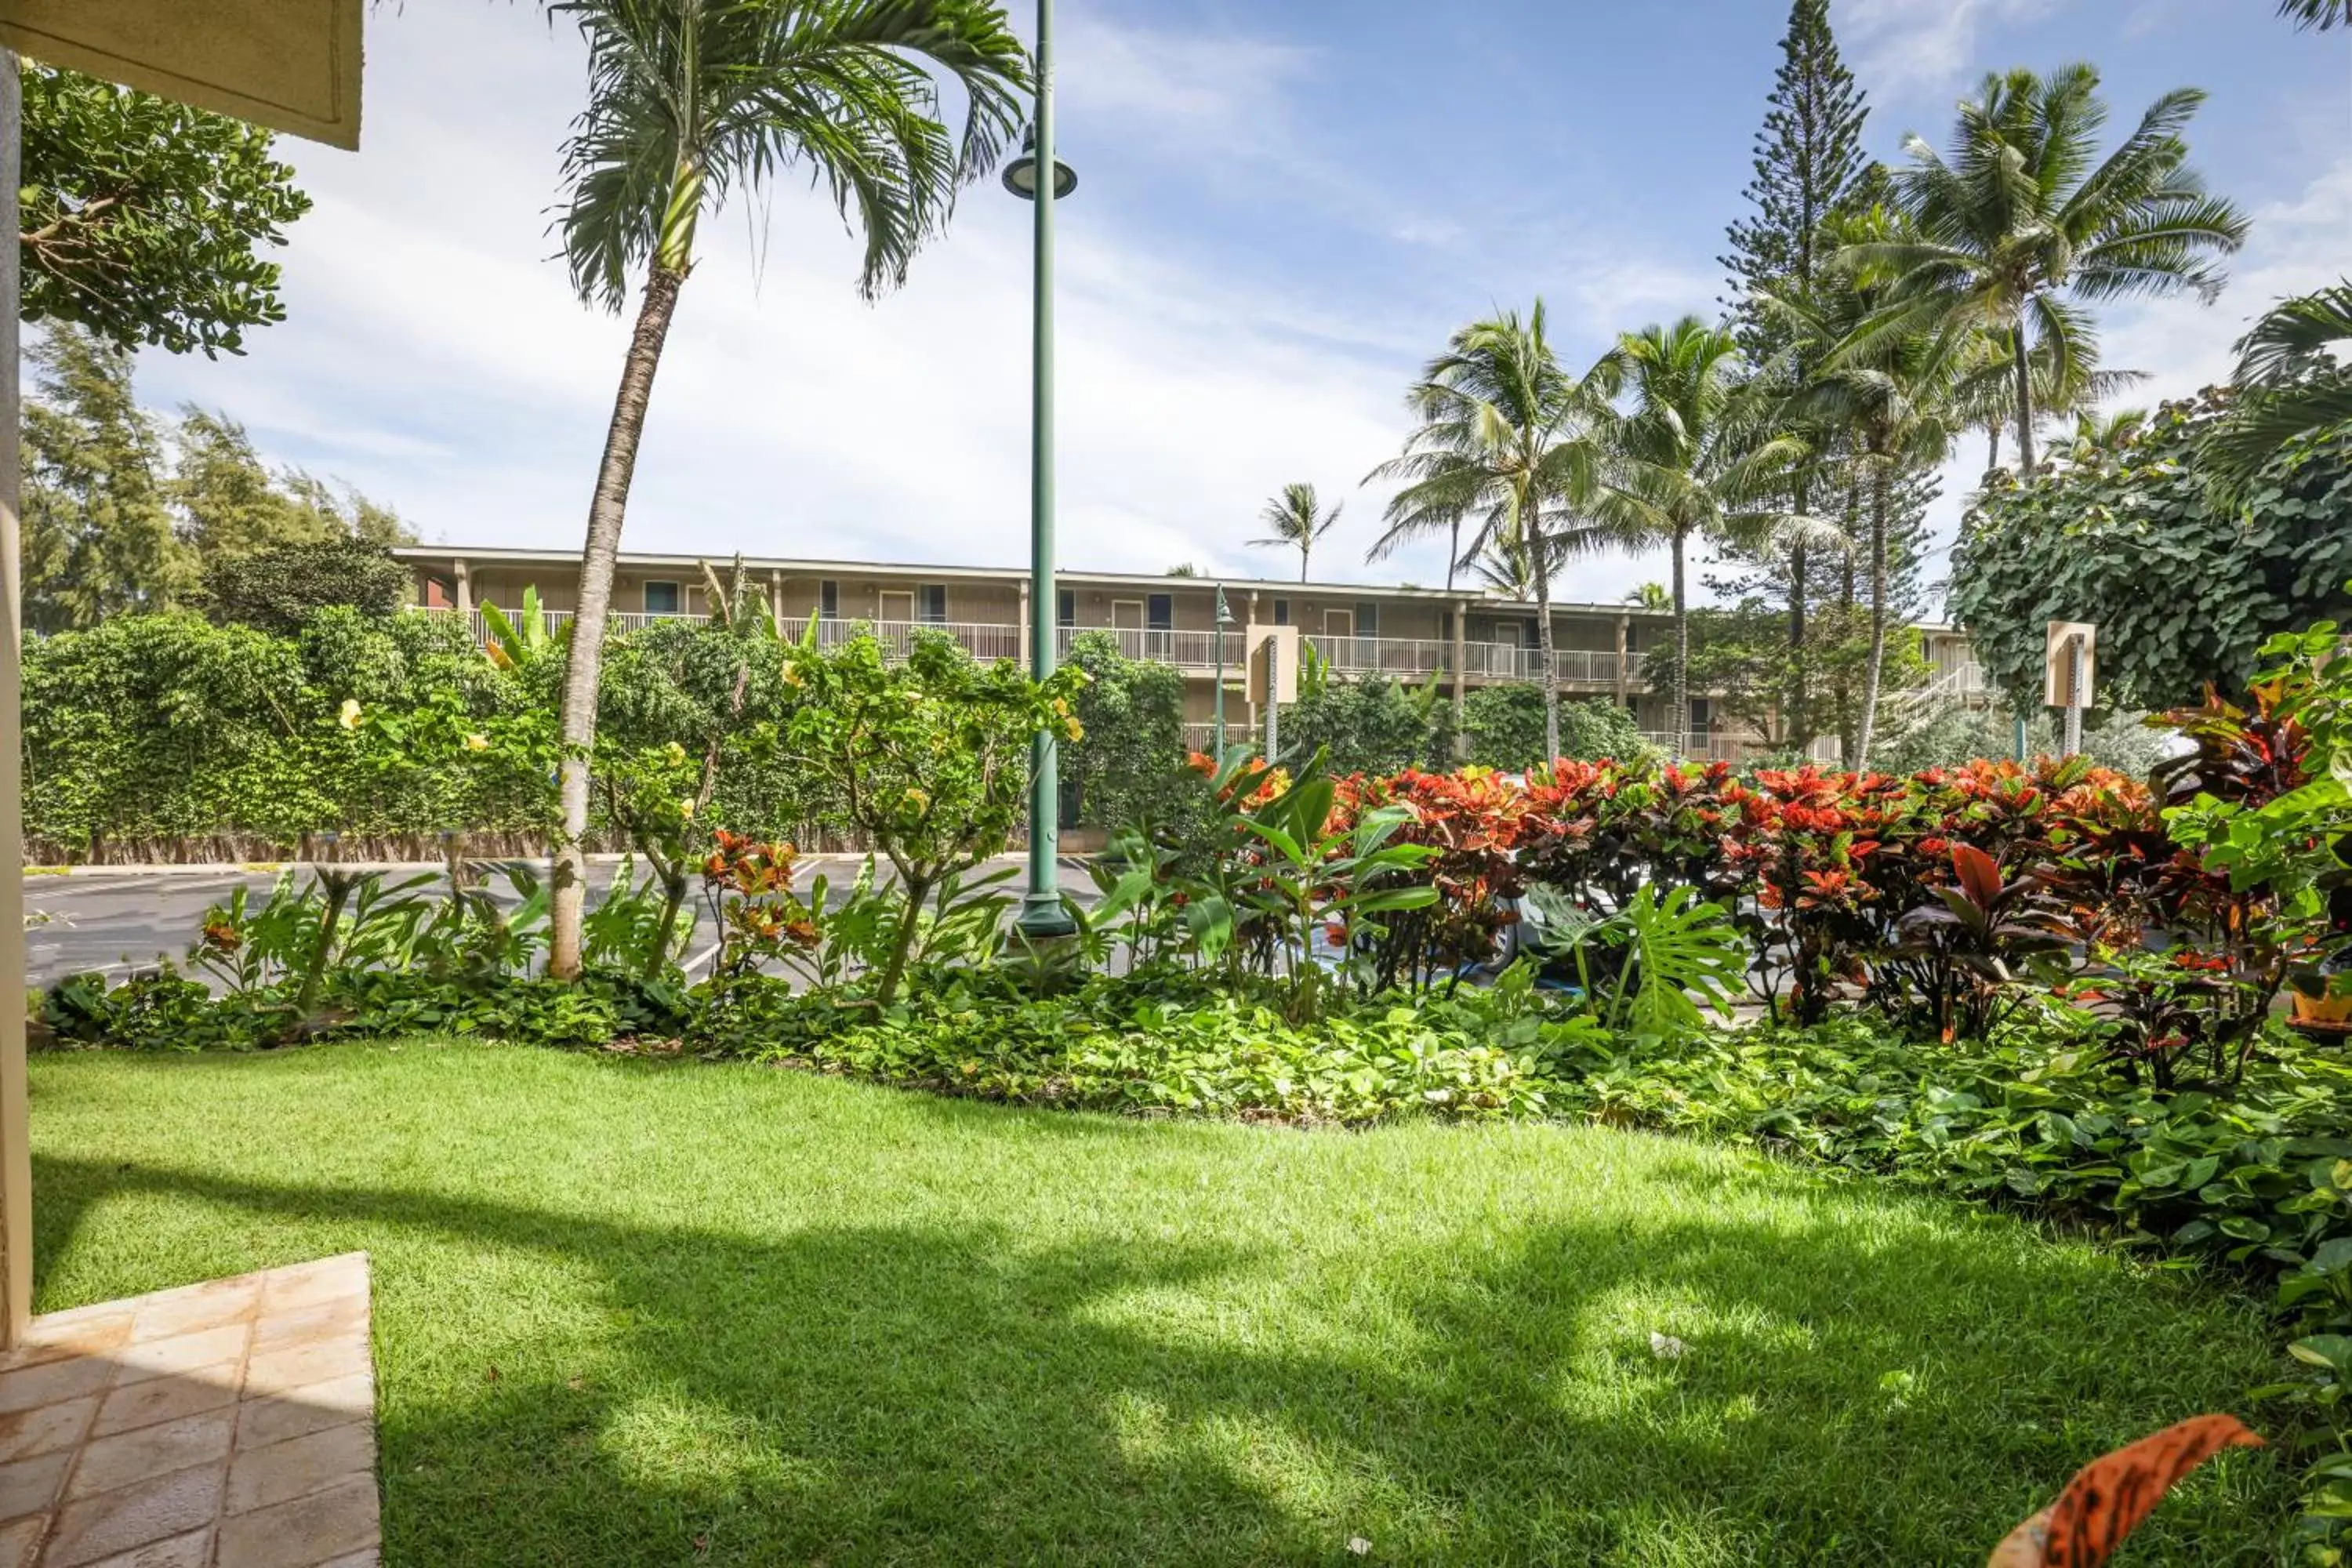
{"points": [[1462, 1136]]}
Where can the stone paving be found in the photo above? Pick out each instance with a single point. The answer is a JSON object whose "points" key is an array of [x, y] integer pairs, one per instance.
{"points": [[228, 1424]]}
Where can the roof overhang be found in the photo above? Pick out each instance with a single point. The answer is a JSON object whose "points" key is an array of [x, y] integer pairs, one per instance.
{"points": [[288, 65]]}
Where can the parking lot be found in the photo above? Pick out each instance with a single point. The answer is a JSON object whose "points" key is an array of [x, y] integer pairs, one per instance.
{"points": [[114, 920]]}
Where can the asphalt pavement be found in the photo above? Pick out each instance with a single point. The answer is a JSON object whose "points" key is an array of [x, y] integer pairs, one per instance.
{"points": [[117, 919]]}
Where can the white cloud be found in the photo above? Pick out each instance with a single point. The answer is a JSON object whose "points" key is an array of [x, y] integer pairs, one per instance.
{"points": [[1900, 45]]}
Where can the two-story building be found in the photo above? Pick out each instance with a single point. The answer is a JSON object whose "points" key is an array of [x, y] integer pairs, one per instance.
{"points": [[1463, 639]]}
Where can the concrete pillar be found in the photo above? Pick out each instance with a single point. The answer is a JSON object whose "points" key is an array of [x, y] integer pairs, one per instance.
{"points": [[1623, 676], [776, 598], [15, 1149], [464, 586], [1024, 618], [1461, 674]]}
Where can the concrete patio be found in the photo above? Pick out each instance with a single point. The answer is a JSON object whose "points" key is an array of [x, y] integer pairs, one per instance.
{"points": [[226, 1424]]}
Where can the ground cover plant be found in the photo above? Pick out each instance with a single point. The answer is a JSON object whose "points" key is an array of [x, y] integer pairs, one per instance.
{"points": [[801, 1319]]}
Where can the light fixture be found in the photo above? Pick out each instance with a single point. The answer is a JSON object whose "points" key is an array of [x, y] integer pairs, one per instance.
{"points": [[1021, 175]]}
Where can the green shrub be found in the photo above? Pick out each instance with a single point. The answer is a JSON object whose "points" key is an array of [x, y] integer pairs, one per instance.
{"points": [[1504, 726]]}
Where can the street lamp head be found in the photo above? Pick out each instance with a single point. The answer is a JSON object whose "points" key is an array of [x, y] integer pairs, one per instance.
{"points": [[1224, 611], [1021, 175]]}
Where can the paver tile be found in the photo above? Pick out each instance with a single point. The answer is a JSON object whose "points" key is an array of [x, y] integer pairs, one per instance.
{"points": [[143, 1358], [199, 1307], [274, 1418], [24, 1433], [30, 1486], [111, 1523], [305, 1532], [83, 1332], [20, 1540], [194, 1550], [304, 1362], [117, 1461], [258, 1478], [308, 1283], [166, 1399], [59, 1380]]}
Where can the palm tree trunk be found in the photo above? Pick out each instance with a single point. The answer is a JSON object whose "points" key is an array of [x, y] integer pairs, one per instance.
{"points": [[1302, 563], [1796, 722], [2024, 406], [1680, 717], [568, 880], [1843, 695], [1536, 554], [1882, 487], [1992, 446], [1453, 554]]}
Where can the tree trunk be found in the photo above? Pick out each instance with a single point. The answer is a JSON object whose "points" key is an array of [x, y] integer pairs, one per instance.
{"points": [[568, 877], [1453, 553], [1992, 446], [902, 942], [1796, 726], [1680, 717], [1537, 556], [1882, 487], [2024, 407], [1844, 694]]}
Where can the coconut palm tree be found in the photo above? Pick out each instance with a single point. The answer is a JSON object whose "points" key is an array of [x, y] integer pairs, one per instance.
{"points": [[2023, 223], [689, 100], [2290, 384], [1294, 520], [2320, 14], [1510, 444], [1699, 454]]}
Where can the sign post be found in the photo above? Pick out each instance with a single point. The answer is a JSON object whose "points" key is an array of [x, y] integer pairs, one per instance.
{"points": [[1272, 664], [2067, 675]]}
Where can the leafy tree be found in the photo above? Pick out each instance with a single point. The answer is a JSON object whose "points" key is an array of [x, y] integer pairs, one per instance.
{"points": [[231, 505], [1373, 725], [2023, 218], [1953, 734], [1504, 728], [2293, 385], [1810, 171], [687, 100], [281, 589], [143, 220], [1509, 441], [1129, 767], [1698, 457], [98, 539], [2184, 591], [1295, 520], [926, 760], [2322, 14]]}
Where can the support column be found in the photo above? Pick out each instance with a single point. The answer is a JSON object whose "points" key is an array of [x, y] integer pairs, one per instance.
{"points": [[15, 1149], [1460, 675], [1024, 617], [1624, 675], [776, 598], [465, 586]]}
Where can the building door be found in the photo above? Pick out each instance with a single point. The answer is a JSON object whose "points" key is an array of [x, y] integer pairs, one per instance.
{"points": [[1127, 620], [899, 607]]}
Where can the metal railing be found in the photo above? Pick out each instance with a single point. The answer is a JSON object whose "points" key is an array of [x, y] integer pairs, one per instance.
{"points": [[984, 641], [1185, 650], [1577, 667], [1702, 749]]}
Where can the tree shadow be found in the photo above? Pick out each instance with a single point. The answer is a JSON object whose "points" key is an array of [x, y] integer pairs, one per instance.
{"points": [[927, 1394]]}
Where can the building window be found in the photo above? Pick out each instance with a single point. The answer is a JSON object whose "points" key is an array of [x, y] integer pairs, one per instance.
{"points": [[1282, 612], [1632, 637], [1368, 619], [1702, 717], [661, 598], [1065, 607], [932, 603], [436, 595], [1160, 611], [829, 600]]}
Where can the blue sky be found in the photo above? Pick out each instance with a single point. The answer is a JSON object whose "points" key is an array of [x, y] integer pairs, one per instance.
{"points": [[1283, 210]]}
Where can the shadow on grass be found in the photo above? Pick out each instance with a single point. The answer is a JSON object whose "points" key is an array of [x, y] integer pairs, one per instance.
{"points": [[911, 1395]]}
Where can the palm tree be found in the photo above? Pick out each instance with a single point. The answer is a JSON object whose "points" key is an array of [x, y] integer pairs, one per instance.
{"points": [[688, 100], [1697, 455], [2290, 384], [2320, 14], [2104, 435], [2024, 219], [1297, 519], [1509, 441]]}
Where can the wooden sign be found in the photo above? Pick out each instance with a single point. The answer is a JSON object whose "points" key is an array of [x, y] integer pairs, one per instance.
{"points": [[287, 65], [1282, 642], [2058, 688]]}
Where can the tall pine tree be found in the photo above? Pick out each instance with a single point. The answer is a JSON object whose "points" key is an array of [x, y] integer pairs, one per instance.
{"points": [[1809, 168]]}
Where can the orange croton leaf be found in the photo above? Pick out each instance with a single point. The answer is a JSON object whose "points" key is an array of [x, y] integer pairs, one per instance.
{"points": [[2108, 1497]]}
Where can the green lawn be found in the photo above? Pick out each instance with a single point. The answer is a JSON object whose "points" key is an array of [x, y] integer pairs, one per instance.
{"points": [[628, 1313]]}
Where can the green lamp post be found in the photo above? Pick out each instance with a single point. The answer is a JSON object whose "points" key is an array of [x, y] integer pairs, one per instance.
{"points": [[1041, 913]]}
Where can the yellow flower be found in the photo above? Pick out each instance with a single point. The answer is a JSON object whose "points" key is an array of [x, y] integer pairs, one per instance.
{"points": [[1062, 707], [916, 798], [478, 741], [1074, 730], [675, 753], [792, 674], [685, 809], [350, 718]]}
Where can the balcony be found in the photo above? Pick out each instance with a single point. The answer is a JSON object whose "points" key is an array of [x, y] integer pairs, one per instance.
{"points": [[1185, 650]]}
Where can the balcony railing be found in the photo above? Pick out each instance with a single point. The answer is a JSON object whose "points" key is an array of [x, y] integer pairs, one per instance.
{"points": [[1702, 749], [1577, 667], [1185, 650], [984, 641]]}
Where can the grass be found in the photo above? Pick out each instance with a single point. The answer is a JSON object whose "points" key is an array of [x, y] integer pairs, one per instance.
{"points": [[630, 1312]]}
